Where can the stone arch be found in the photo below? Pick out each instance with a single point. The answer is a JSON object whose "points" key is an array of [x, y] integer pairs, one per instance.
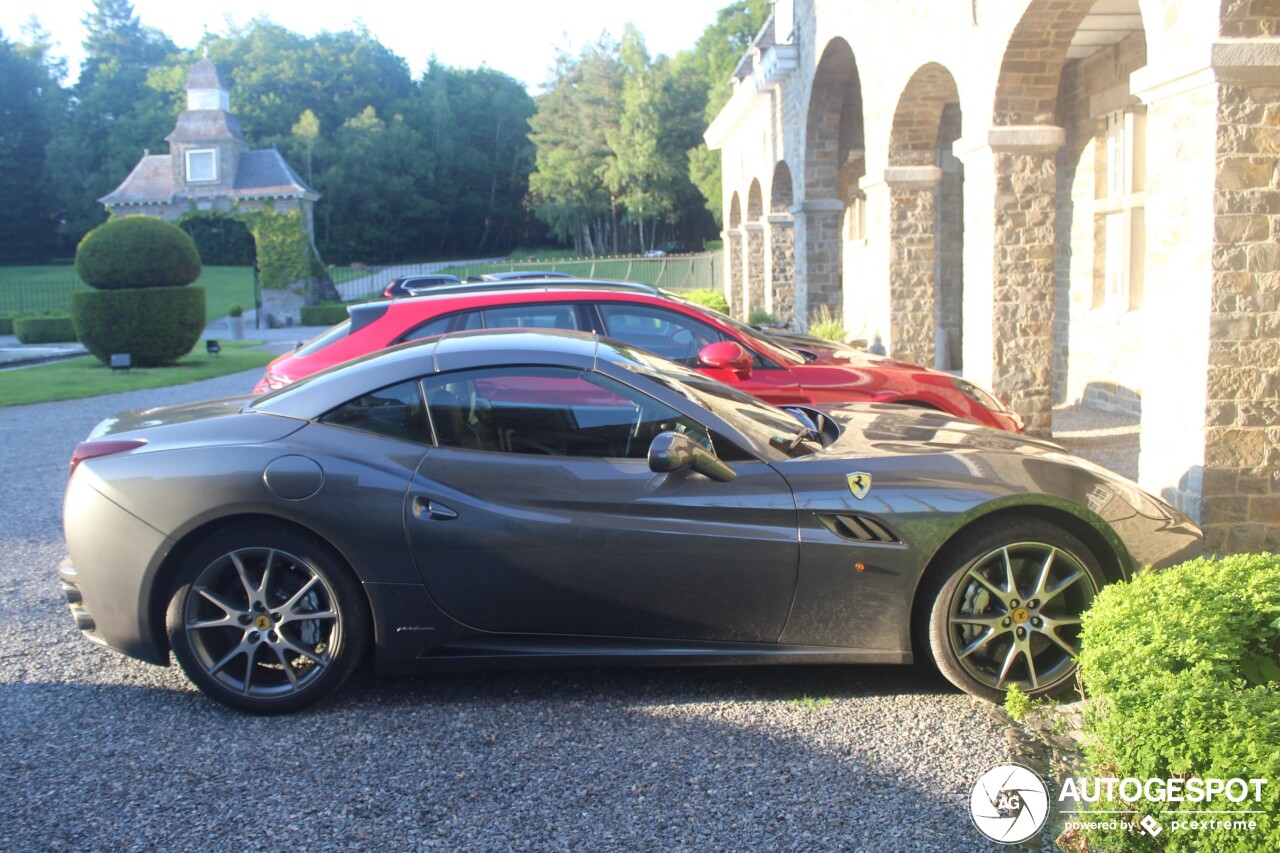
{"points": [[781, 194], [222, 239], [1027, 91], [753, 263], [835, 159], [781, 235], [924, 274], [734, 288]]}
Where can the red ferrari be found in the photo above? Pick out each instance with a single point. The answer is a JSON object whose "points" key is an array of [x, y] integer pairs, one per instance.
{"points": [[681, 331]]}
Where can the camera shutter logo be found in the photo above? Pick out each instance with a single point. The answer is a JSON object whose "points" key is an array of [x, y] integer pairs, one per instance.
{"points": [[1009, 804]]}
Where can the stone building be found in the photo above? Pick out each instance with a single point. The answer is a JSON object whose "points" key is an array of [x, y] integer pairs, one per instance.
{"points": [[1067, 200], [209, 167]]}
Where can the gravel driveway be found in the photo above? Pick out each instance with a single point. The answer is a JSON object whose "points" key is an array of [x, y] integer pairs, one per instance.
{"points": [[98, 752]]}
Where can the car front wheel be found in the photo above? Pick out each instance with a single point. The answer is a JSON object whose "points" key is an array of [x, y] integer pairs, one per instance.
{"points": [[266, 620], [1006, 607]]}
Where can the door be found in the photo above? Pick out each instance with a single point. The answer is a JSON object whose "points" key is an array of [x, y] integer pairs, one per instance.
{"points": [[537, 513]]}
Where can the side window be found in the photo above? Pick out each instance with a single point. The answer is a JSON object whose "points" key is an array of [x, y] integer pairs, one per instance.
{"points": [[447, 323], [395, 412], [549, 411], [669, 334], [531, 317]]}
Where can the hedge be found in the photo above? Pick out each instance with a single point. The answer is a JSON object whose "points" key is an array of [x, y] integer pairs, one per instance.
{"points": [[155, 326], [6, 324], [1182, 668], [43, 329], [324, 314], [134, 252]]}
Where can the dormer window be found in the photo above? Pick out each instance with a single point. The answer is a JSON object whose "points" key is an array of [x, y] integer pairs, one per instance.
{"points": [[202, 165]]}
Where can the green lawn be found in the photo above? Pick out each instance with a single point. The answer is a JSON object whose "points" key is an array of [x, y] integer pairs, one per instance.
{"points": [[88, 377], [25, 289]]}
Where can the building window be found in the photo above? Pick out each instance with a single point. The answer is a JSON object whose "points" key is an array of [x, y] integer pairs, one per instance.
{"points": [[1120, 209], [202, 165]]}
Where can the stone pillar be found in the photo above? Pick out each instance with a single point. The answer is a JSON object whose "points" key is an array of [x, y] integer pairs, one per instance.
{"points": [[755, 271], [1022, 295], [818, 261], [781, 292], [1240, 501], [733, 290], [913, 244], [978, 257]]}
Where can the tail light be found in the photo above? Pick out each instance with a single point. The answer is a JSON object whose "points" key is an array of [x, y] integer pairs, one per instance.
{"points": [[102, 447]]}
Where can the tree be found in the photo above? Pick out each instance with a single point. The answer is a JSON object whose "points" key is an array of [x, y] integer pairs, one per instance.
{"points": [[29, 96], [570, 132], [712, 61], [307, 131], [116, 113]]}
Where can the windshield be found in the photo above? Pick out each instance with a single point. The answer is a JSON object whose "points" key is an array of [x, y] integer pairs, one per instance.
{"points": [[773, 433], [325, 338]]}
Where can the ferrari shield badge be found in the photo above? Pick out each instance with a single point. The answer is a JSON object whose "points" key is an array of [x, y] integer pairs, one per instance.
{"points": [[860, 484]]}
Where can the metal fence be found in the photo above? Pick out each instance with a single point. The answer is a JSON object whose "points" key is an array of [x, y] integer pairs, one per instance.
{"points": [[43, 289], [677, 272], [33, 289]]}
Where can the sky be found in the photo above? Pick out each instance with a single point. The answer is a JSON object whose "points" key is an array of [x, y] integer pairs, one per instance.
{"points": [[517, 37]]}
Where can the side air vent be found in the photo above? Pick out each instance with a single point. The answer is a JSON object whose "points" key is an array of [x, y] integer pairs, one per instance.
{"points": [[858, 528]]}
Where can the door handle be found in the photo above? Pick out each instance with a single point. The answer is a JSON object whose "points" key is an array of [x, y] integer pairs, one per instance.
{"points": [[433, 510]]}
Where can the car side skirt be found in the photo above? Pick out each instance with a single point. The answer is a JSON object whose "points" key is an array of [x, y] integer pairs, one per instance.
{"points": [[519, 652]]}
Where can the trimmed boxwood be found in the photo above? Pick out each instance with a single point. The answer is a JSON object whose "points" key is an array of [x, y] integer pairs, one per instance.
{"points": [[6, 324], [1182, 668], [155, 326], [134, 252], [323, 314], [43, 329]]}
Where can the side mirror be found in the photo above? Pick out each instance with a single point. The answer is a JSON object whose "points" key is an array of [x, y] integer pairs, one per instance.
{"points": [[672, 451], [726, 355]]}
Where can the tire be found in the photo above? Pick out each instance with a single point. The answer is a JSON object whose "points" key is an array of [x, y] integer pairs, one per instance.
{"points": [[1005, 608], [266, 620]]}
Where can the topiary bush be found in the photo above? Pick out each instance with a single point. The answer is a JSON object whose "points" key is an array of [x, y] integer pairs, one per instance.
{"points": [[137, 251], [48, 328], [156, 326], [140, 267], [1182, 668]]}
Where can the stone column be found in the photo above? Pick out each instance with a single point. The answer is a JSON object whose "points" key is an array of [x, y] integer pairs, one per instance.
{"points": [[1022, 282], [781, 291], [754, 237], [733, 290], [818, 259], [913, 243], [1211, 407]]}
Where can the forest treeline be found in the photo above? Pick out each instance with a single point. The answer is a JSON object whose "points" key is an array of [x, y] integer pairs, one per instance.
{"points": [[609, 158]]}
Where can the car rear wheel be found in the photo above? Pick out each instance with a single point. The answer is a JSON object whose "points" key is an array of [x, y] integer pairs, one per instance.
{"points": [[1006, 607], [266, 620]]}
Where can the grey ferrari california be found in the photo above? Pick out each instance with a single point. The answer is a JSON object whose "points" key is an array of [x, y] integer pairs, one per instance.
{"points": [[513, 498]]}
